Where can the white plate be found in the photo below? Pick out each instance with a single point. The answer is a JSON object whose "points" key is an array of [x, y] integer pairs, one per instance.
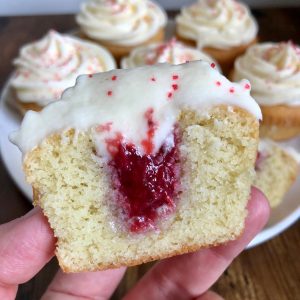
{"points": [[281, 217]]}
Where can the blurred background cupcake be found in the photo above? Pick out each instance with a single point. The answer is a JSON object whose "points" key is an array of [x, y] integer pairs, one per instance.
{"points": [[276, 169], [121, 25], [223, 28], [274, 71], [172, 52], [45, 68]]}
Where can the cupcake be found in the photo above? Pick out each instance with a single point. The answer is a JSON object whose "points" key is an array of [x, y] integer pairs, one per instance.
{"points": [[172, 52], [45, 68], [122, 25], [223, 28], [276, 170], [274, 72], [139, 164]]}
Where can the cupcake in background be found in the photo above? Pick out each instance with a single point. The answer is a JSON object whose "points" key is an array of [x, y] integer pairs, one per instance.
{"points": [[276, 169], [222, 28], [171, 52], [45, 68], [274, 72], [121, 25]]}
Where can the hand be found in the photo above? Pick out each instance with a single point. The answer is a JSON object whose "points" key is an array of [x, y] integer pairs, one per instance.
{"points": [[27, 244]]}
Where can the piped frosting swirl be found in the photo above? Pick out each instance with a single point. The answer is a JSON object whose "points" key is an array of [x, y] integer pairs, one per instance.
{"points": [[274, 72], [121, 22], [171, 52], [220, 24], [45, 68]]}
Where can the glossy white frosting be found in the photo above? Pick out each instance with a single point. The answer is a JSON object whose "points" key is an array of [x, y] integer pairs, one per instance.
{"points": [[45, 68], [172, 52], [274, 72], [119, 100], [121, 22], [220, 24]]}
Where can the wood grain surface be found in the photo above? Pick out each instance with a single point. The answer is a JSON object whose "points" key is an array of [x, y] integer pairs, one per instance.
{"points": [[268, 272]]}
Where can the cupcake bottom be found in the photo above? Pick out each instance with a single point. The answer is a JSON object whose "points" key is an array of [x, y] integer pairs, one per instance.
{"points": [[225, 58], [280, 122], [119, 51]]}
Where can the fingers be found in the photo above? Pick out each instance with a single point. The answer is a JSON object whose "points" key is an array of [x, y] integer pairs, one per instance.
{"points": [[210, 295], [26, 245], [89, 285], [189, 276]]}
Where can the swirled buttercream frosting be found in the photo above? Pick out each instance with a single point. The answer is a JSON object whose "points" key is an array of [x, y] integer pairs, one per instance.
{"points": [[121, 22], [45, 68], [172, 52], [220, 24], [274, 72]]}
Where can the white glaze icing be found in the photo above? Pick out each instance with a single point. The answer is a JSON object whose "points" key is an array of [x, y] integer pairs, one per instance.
{"points": [[220, 24], [45, 68], [171, 52], [274, 72], [121, 22], [120, 99]]}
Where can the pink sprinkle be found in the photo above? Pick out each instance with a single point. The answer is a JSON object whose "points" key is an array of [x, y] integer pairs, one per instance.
{"points": [[175, 87], [170, 94], [90, 75], [213, 65], [109, 93], [175, 77], [231, 90], [218, 83], [114, 78], [153, 79], [104, 127], [247, 86]]}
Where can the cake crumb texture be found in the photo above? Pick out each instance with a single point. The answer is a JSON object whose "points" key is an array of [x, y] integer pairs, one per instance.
{"points": [[73, 187], [276, 173]]}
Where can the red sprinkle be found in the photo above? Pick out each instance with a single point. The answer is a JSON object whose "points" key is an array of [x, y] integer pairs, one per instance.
{"points": [[90, 75], [109, 93], [114, 78], [218, 83], [175, 77], [104, 127], [213, 65], [231, 90], [153, 79], [247, 86], [170, 94], [175, 87]]}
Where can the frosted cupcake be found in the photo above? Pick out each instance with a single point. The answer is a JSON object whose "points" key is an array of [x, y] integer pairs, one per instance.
{"points": [[274, 71], [223, 28], [122, 25], [45, 68], [172, 52]]}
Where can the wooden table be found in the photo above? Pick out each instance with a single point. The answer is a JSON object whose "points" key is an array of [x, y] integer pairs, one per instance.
{"points": [[270, 271]]}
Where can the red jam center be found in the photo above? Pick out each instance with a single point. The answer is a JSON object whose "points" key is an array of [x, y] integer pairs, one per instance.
{"points": [[147, 184]]}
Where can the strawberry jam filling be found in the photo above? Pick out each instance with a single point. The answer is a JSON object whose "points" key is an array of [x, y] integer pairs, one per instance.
{"points": [[146, 184]]}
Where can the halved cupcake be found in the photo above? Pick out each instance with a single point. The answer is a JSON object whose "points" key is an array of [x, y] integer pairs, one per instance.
{"points": [[139, 164], [274, 72], [223, 29], [172, 52], [45, 68], [277, 167], [122, 25]]}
